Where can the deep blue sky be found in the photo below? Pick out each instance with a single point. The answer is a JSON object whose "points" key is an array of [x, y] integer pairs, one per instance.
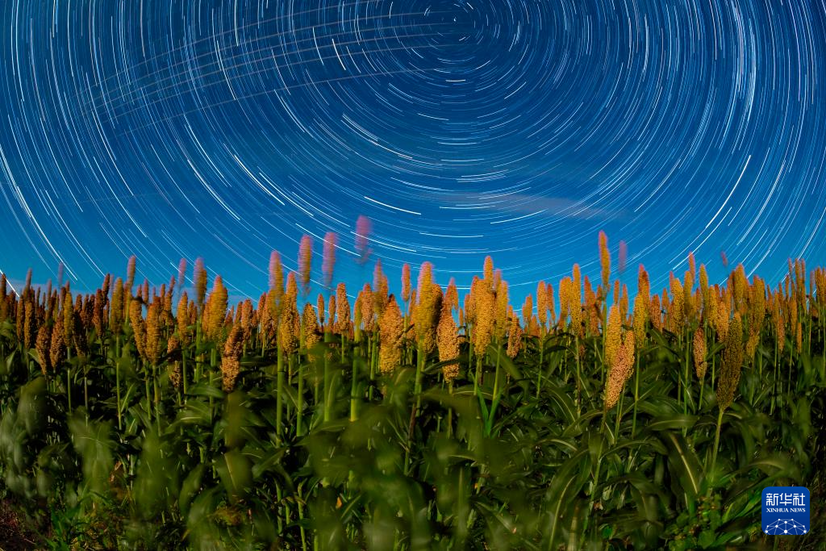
{"points": [[516, 128]]}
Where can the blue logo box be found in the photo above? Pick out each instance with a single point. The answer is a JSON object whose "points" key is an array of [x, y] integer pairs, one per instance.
{"points": [[786, 511]]}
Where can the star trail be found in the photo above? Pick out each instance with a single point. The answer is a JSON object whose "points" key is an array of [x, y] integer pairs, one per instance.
{"points": [[511, 128]]}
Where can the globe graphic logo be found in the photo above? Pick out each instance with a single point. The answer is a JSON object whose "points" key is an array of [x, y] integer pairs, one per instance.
{"points": [[785, 527]]}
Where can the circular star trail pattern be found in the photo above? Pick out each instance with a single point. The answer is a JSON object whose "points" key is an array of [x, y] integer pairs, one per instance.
{"points": [[515, 128]]}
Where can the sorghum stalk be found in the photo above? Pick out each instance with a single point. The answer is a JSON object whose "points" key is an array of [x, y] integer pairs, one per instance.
{"points": [[354, 391], [279, 392], [729, 378], [299, 430], [328, 392]]}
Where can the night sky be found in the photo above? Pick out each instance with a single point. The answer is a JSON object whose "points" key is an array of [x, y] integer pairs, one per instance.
{"points": [[515, 128]]}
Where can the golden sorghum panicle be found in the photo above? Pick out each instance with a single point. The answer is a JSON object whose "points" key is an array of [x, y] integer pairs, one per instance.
{"points": [[613, 335], [328, 261], [168, 318], [700, 364], [391, 333], [331, 310], [501, 321], [305, 262], [130, 272], [193, 313], [619, 371], [216, 310], [436, 299], [542, 304], [57, 347], [720, 322], [705, 290], [138, 329], [116, 313], [484, 304], [487, 271], [527, 311], [173, 349], [676, 313], [87, 311], [604, 260], [153, 332], [265, 322], [29, 324], [200, 277], [183, 318], [27, 290], [448, 343], [68, 319], [564, 299], [406, 282], [428, 304], [289, 326], [43, 345], [309, 327], [247, 318], [470, 300], [145, 291], [342, 326], [231, 359], [292, 287], [382, 289], [623, 303], [276, 292], [262, 305], [655, 314], [757, 314], [628, 352], [452, 295], [732, 364], [274, 302], [550, 305], [818, 277], [367, 309], [97, 312], [644, 286], [797, 327], [738, 283], [514, 338]]}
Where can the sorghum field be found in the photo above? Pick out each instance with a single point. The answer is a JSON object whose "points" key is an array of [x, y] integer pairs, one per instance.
{"points": [[153, 418]]}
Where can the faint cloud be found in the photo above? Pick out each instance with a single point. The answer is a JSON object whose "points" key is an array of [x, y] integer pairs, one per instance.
{"points": [[530, 205]]}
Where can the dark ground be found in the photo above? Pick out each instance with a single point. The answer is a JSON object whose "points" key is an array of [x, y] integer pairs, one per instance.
{"points": [[16, 531]]}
